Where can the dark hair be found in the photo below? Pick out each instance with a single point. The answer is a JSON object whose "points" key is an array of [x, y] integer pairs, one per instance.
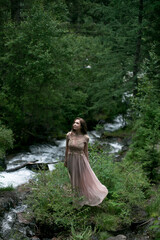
{"points": [[83, 125]]}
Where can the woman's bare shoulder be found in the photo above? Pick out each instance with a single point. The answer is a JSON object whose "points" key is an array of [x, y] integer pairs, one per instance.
{"points": [[86, 137], [68, 135]]}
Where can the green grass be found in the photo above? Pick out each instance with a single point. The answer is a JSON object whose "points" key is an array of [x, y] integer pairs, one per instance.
{"points": [[50, 201], [122, 133], [5, 189]]}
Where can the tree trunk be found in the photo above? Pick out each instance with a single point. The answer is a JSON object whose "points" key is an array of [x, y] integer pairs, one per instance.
{"points": [[15, 10]]}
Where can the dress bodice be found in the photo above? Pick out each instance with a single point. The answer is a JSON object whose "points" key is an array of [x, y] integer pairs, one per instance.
{"points": [[76, 143]]}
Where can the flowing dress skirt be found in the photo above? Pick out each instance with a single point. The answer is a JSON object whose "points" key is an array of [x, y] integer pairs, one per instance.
{"points": [[84, 180]]}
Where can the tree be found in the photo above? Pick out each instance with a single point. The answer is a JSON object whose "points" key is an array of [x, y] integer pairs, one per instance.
{"points": [[138, 46], [144, 148]]}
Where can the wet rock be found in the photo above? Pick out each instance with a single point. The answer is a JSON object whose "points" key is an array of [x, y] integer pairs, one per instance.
{"points": [[140, 236], [139, 216], [7, 224], [29, 232], [14, 223], [94, 237], [35, 238], [12, 227], [21, 218], [152, 228], [118, 237], [23, 191], [8, 199], [37, 166]]}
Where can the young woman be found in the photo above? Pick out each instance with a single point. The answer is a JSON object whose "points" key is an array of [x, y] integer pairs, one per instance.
{"points": [[83, 179]]}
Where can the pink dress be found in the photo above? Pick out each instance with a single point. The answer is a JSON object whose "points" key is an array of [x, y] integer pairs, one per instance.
{"points": [[83, 179]]}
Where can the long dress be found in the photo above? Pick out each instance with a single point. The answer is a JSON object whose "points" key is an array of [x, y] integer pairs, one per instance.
{"points": [[82, 177]]}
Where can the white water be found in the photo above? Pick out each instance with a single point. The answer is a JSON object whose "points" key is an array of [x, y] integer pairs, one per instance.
{"points": [[9, 219], [43, 153], [16, 178], [117, 123], [46, 153]]}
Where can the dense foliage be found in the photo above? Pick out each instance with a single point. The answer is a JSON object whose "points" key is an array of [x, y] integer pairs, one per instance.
{"points": [[61, 59], [6, 140], [66, 58], [55, 205], [145, 143]]}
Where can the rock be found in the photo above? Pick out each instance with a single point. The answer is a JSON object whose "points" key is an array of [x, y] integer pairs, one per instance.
{"points": [[21, 218], [139, 216], [35, 238], [101, 122], [118, 237], [29, 231], [23, 191], [8, 199], [7, 224]]}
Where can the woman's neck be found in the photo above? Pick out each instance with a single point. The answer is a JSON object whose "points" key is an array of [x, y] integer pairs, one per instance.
{"points": [[77, 132]]}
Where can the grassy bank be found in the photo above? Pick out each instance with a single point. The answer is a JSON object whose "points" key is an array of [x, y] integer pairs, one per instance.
{"points": [[6, 189], [51, 202], [121, 133]]}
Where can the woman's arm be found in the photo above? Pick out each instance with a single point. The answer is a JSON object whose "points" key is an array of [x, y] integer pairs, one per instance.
{"points": [[66, 153], [86, 150]]}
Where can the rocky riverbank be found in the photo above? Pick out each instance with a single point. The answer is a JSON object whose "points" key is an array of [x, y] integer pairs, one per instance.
{"points": [[8, 199], [15, 224]]}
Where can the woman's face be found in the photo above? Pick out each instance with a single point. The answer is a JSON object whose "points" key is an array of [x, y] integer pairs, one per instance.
{"points": [[77, 125]]}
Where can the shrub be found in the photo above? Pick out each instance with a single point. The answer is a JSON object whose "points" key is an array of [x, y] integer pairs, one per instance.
{"points": [[51, 198], [6, 189], [6, 140], [153, 207], [85, 235], [153, 210], [146, 108]]}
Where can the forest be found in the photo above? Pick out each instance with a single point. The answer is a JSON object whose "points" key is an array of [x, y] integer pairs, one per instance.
{"points": [[96, 59], [63, 59]]}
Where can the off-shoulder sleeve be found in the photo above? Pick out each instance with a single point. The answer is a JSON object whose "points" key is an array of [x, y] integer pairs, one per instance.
{"points": [[86, 138]]}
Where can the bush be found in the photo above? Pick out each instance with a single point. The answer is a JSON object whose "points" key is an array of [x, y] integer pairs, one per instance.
{"points": [[127, 185], [6, 189], [6, 140], [153, 210], [51, 199], [85, 235], [146, 106], [153, 207]]}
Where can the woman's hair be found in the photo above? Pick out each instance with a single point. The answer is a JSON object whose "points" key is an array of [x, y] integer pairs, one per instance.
{"points": [[83, 125]]}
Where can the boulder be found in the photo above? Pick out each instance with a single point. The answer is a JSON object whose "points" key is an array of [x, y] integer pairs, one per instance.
{"points": [[118, 237], [8, 199], [35, 238]]}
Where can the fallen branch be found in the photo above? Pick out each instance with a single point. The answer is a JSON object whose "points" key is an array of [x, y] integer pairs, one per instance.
{"points": [[28, 164], [145, 222]]}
